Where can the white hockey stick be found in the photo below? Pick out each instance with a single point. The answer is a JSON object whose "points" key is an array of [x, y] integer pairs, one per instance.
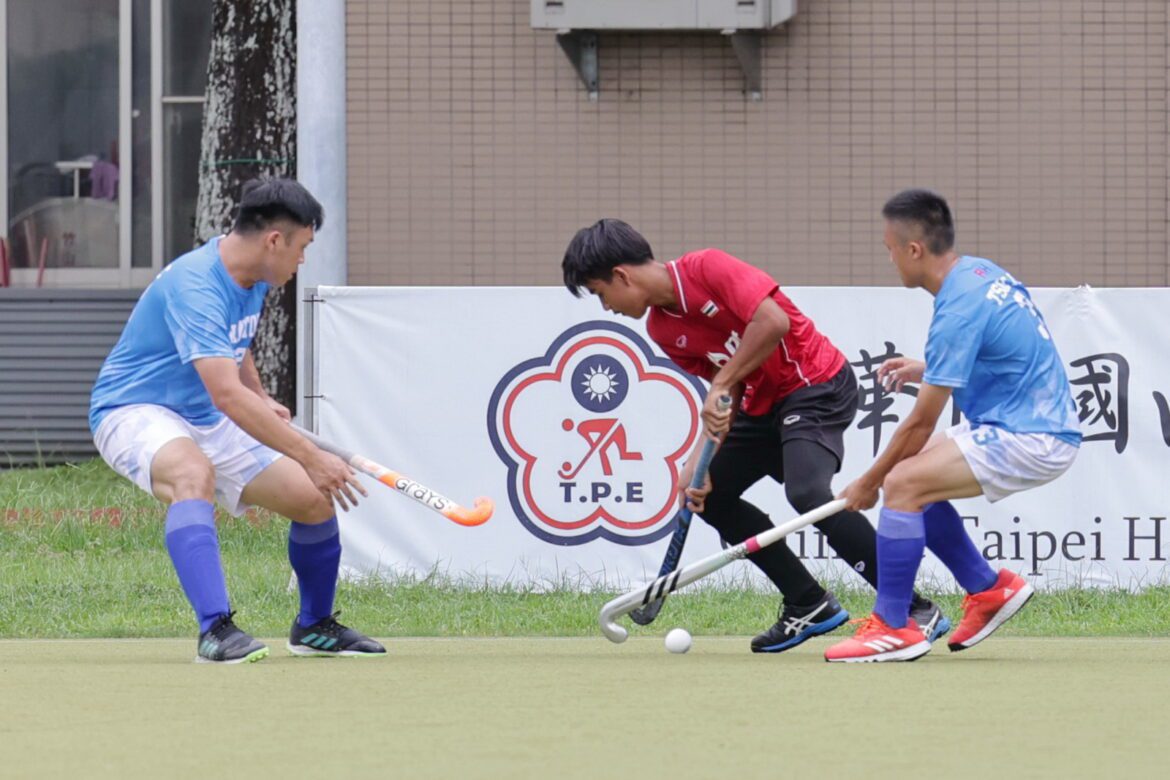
{"points": [[623, 605]]}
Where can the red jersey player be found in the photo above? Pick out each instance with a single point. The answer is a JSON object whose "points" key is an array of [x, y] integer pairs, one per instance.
{"points": [[726, 321]]}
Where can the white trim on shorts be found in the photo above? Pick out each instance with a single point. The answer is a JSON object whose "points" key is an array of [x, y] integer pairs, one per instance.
{"points": [[129, 437], [1005, 462]]}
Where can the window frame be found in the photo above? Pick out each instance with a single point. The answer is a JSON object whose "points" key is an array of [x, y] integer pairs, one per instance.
{"points": [[125, 275]]}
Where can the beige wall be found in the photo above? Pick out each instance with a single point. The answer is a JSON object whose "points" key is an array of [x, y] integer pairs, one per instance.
{"points": [[474, 154]]}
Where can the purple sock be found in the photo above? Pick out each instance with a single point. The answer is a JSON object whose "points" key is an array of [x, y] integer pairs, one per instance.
{"points": [[315, 554], [951, 544], [194, 549], [900, 542]]}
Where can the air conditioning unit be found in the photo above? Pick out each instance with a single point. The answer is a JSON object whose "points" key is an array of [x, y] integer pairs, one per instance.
{"points": [[743, 22], [661, 14]]}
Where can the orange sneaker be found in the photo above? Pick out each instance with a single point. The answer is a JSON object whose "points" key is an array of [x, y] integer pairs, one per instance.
{"points": [[876, 641], [987, 610]]}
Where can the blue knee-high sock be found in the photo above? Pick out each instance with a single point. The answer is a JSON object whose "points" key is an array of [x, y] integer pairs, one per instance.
{"points": [[950, 542], [194, 549], [315, 554], [900, 542]]}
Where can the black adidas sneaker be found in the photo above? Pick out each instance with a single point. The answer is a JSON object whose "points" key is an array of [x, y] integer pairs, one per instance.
{"points": [[799, 624], [226, 643], [327, 638]]}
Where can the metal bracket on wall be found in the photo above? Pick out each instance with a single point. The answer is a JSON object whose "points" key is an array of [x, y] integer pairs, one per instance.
{"points": [[580, 46], [748, 46]]}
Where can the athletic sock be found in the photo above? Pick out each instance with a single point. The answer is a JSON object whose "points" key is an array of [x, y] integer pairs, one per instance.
{"points": [[900, 542], [951, 544], [315, 554], [194, 550]]}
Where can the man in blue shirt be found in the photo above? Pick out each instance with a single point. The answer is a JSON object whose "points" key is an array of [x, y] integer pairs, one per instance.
{"points": [[989, 347], [178, 408]]}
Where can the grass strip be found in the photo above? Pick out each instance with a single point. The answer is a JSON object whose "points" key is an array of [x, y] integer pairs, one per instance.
{"points": [[82, 555]]}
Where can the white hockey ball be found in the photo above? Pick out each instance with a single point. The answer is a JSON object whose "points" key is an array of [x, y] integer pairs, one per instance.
{"points": [[678, 640]]}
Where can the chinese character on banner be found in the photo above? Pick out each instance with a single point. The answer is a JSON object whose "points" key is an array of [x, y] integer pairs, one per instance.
{"points": [[874, 399], [1163, 416], [1103, 401]]}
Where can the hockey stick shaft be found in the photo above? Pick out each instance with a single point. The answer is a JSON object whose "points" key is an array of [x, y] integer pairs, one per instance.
{"points": [[644, 616], [644, 594], [476, 515]]}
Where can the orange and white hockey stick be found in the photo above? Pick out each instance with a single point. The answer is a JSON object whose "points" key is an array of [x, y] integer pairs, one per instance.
{"points": [[477, 515]]}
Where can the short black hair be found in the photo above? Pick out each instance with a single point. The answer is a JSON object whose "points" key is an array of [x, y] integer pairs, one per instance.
{"points": [[268, 200], [929, 212], [596, 250]]}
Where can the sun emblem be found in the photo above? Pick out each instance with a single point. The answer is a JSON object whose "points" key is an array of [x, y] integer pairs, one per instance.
{"points": [[600, 384]]}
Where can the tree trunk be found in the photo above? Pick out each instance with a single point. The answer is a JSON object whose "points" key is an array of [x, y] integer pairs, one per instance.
{"points": [[249, 130]]}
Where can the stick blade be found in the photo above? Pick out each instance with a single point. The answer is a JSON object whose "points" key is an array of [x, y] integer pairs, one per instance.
{"points": [[644, 616], [477, 515]]}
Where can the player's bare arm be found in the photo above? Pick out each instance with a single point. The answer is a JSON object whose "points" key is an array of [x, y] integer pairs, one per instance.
{"points": [[332, 476], [907, 441], [897, 372], [250, 376], [763, 334]]}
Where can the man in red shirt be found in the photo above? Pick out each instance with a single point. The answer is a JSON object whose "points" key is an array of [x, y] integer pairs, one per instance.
{"points": [[728, 322]]}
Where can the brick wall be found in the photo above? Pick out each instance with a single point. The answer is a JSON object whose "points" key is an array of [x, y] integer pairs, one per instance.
{"points": [[474, 154]]}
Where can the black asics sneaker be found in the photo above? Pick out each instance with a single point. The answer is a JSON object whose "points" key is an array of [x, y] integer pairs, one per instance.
{"points": [[327, 637], [799, 624], [227, 643], [929, 617]]}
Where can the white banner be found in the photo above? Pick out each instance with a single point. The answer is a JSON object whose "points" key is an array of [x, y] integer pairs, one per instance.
{"points": [[574, 423]]}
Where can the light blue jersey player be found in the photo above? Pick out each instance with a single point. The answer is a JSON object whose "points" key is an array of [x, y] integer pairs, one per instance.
{"points": [[178, 408], [988, 346], [194, 309], [988, 342]]}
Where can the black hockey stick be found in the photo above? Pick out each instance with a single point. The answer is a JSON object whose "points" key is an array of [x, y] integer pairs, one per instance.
{"points": [[644, 616]]}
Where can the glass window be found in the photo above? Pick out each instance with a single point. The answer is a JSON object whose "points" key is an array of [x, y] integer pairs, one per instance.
{"points": [[182, 136], [186, 49], [63, 176]]}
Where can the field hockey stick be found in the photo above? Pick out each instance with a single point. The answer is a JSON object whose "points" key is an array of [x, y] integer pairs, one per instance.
{"points": [[643, 595], [477, 515], [644, 616]]}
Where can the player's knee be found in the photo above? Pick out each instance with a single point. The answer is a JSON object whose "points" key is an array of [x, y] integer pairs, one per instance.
{"points": [[193, 481], [314, 510], [806, 497], [900, 491]]}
